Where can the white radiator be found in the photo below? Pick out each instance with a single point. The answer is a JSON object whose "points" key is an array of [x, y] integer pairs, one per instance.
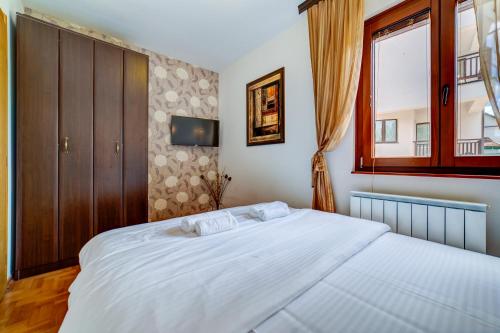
{"points": [[455, 223]]}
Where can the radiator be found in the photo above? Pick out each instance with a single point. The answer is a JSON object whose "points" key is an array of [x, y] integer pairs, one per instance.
{"points": [[454, 223]]}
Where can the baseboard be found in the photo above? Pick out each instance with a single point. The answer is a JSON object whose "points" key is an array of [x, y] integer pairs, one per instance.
{"points": [[27, 272]]}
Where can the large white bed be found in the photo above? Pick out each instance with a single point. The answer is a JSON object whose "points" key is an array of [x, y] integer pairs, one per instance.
{"points": [[307, 272]]}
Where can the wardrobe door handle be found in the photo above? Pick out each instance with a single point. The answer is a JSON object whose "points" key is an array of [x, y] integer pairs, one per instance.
{"points": [[117, 147], [66, 145]]}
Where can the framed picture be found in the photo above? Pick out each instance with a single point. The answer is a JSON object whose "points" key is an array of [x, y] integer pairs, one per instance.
{"points": [[266, 109]]}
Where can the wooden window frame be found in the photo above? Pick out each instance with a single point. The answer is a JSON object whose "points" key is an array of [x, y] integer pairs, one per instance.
{"points": [[384, 132], [483, 164], [442, 162]]}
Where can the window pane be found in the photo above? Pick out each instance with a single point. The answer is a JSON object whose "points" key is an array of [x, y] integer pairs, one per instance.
{"points": [[401, 86], [477, 131], [423, 133], [378, 131], [391, 130]]}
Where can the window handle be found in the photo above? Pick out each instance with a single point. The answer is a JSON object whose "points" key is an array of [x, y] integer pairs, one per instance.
{"points": [[446, 92]]}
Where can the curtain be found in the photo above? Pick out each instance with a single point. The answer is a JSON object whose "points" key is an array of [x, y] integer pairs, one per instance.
{"points": [[488, 24], [336, 42]]}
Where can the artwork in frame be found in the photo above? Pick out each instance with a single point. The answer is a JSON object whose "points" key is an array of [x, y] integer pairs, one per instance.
{"points": [[266, 109]]}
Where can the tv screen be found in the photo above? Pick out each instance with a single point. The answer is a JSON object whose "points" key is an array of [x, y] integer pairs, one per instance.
{"points": [[187, 131]]}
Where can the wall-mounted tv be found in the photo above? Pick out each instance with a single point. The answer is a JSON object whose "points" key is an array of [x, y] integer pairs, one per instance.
{"points": [[187, 131]]}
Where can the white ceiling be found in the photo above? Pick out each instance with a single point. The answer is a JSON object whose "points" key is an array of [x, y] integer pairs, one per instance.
{"points": [[208, 33]]}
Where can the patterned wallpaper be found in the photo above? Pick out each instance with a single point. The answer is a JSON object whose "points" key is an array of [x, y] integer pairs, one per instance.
{"points": [[175, 88]]}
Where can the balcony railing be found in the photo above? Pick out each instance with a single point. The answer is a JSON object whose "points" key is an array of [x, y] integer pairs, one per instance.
{"points": [[472, 147], [422, 148], [467, 147], [469, 68]]}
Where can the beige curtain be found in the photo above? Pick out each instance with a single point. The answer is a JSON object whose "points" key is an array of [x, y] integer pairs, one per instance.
{"points": [[336, 42], [488, 25]]}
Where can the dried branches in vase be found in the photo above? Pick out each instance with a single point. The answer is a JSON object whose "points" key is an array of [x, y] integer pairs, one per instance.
{"points": [[217, 187]]}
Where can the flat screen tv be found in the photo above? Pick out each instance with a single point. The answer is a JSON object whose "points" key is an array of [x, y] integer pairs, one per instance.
{"points": [[187, 131]]}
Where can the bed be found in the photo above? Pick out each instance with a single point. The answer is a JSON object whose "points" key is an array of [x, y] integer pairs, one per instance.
{"points": [[307, 272]]}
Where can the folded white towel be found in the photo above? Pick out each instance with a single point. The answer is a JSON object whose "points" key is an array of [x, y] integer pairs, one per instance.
{"points": [[269, 211], [188, 223], [215, 224]]}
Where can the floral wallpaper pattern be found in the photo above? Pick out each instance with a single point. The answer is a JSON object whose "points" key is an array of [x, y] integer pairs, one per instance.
{"points": [[175, 88]]}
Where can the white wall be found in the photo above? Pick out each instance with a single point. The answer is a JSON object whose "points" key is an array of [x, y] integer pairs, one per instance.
{"points": [[406, 135], [10, 7], [402, 72], [283, 171], [264, 172]]}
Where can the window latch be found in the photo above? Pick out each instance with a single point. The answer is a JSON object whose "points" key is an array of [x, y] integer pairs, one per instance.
{"points": [[446, 92]]}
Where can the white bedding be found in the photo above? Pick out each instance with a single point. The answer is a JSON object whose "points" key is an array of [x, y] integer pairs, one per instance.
{"points": [[154, 278], [400, 284]]}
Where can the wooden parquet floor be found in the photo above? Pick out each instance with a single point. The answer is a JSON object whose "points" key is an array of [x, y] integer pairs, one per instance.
{"points": [[36, 304]]}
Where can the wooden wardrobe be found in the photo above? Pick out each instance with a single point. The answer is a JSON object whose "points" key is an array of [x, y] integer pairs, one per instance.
{"points": [[82, 124]]}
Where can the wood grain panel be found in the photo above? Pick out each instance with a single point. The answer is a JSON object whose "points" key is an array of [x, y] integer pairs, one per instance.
{"points": [[108, 120], [37, 141], [75, 127], [4, 182], [135, 135]]}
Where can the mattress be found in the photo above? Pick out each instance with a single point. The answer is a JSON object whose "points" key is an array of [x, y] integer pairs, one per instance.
{"points": [[307, 272], [400, 284], [154, 278]]}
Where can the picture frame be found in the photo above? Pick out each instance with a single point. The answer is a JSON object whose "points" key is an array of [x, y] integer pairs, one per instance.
{"points": [[266, 109]]}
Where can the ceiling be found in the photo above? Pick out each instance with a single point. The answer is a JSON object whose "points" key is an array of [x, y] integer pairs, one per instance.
{"points": [[208, 33]]}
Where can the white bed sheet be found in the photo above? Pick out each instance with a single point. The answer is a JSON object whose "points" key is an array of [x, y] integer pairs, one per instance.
{"points": [[400, 284], [154, 278], [122, 239]]}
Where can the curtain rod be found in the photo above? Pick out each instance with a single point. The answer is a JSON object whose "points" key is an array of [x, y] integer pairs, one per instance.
{"points": [[306, 5]]}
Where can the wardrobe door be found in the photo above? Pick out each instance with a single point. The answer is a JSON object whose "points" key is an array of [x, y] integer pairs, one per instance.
{"points": [[108, 112], [37, 151], [75, 142], [135, 133]]}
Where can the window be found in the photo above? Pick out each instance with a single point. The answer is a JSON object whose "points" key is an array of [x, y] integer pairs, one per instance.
{"points": [[476, 128], [386, 131], [422, 106], [491, 132], [422, 141], [423, 132], [398, 90]]}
